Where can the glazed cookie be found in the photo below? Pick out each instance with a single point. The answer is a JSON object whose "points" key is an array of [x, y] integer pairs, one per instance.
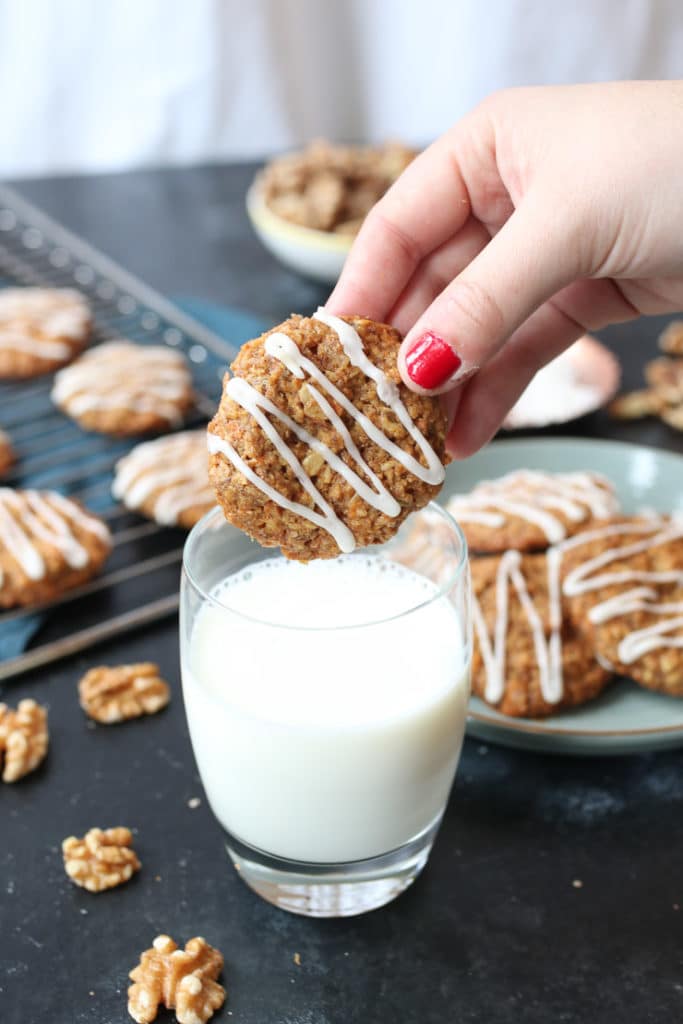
{"points": [[624, 587], [48, 544], [528, 511], [528, 659], [167, 480], [123, 389], [41, 329], [7, 456], [317, 447]]}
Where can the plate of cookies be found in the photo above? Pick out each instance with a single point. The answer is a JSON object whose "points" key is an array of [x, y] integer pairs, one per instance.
{"points": [[577, 575]]}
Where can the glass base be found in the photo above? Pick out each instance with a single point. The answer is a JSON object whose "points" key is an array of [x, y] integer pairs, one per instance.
{"points": [[332, 890]]}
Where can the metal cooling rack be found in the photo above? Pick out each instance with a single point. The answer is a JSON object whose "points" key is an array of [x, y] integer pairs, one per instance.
{"points": [[140, 581]]}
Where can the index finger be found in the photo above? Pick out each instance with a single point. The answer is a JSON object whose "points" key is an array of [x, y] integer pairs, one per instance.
{"points": [[425, 206]]}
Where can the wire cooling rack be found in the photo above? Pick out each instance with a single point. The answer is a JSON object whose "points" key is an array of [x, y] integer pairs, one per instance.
{"points": [[140, 582]]}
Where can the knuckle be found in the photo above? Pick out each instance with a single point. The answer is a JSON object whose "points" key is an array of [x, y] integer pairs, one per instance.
{"points": [[381, 220], [473, 304]]}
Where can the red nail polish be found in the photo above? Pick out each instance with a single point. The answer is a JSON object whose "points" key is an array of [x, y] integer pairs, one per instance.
{"points": [[431, 361]]}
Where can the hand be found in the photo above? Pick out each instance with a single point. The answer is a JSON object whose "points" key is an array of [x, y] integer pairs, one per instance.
{"points": [[543, 214]]}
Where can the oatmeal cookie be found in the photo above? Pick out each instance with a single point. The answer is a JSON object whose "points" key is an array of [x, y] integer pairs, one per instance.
{"points": [[123, 389], [167, 479], [41, 329], [623, 585], [545, 664], [6, 453], [528, 510], [317, 447], [48, 544]]}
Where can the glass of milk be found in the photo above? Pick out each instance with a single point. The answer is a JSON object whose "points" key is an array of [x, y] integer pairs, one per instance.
{"points": [[326, 704]]}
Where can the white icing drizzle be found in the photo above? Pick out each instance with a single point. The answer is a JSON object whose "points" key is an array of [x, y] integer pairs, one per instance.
{"points": [[548, 653], [531, 495], [582, 580], [122, 375], [175, 466], [578, 582], [388, 393], [327, 521], [642, 641], [28, 516], [280, 346], [45, 322]]}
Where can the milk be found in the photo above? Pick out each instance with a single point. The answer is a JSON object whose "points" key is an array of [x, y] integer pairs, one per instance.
{"points": [[321, 738]]}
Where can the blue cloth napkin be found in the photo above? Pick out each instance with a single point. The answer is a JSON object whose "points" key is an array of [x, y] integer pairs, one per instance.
{"points": [[236, 327]]}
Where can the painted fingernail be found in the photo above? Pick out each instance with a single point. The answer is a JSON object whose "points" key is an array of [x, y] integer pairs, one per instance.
{"points": [[430, 361]]}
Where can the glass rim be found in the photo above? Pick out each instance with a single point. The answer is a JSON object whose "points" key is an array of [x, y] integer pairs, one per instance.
{"points": [[443, 588]]}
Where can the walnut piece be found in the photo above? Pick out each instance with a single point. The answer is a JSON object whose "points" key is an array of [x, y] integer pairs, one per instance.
{"points": [[633, 405], [673, 415], [23, 738], [671, 338], [183, 980], [101, 860], [332, 188], [125, 691]]}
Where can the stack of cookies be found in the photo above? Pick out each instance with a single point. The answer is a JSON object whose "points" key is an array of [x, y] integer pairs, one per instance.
{"points": [[567, 593]]}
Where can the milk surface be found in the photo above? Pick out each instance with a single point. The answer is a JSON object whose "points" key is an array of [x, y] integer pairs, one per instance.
{"points": [[319, 737]]}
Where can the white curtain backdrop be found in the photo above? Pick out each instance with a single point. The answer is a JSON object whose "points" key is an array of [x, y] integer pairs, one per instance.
{"points": [[90, 85]]}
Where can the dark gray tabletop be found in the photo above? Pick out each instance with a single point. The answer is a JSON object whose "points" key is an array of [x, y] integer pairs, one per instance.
{"points": [[495, 930]]}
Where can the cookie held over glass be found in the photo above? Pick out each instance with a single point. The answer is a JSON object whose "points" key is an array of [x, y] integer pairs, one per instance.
{"points": [[317, 446]]}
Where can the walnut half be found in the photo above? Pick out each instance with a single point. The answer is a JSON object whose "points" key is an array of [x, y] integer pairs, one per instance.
{"points": [[23, 738], [126, 691], [101, 860], [181, 980]]}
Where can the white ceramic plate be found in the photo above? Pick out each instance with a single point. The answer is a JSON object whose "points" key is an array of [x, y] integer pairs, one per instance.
{"points": [[626, 718], [316, 254], [580, 380]]}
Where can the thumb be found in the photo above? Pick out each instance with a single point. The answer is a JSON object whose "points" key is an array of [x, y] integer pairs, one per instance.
{"points": [[530, 259]]}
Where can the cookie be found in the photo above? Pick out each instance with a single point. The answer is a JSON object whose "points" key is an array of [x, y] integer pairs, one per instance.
{"points": [[528, 660], [317, 446], [528, 511], [123, 389], [623, 584], [48, 544], [7, 456], [167, 480], [41, 329]]}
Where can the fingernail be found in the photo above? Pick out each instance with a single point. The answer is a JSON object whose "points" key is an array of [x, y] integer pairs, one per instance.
{"points": [[430, 361]]}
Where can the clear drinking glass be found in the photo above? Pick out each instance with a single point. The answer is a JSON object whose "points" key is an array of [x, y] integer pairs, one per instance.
{"points": [[327, 750]]}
